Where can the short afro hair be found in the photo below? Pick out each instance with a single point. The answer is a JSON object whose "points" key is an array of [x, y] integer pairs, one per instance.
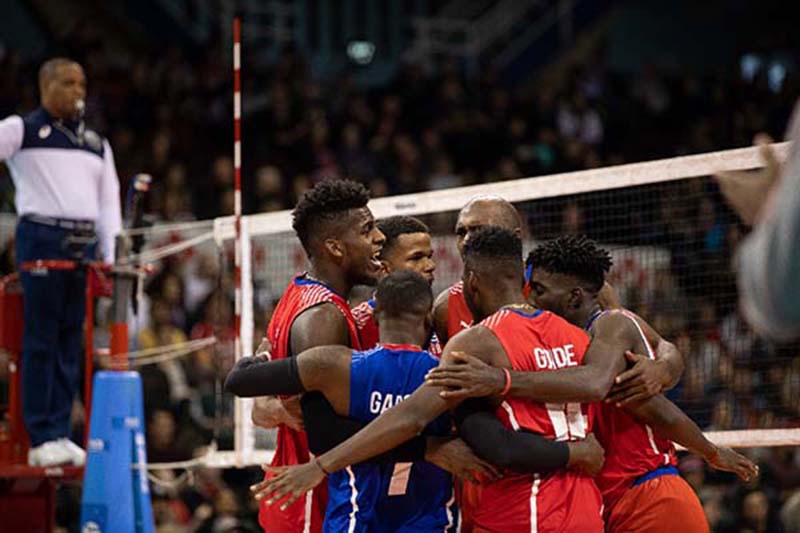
{"points": [[495, 244], [403, 292], [323, 203], [572, 255], [393, 227]]}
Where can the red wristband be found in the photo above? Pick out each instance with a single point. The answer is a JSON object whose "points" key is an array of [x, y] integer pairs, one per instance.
{"points": [[508, 382]]}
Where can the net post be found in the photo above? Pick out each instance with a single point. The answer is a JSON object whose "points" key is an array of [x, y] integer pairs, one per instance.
{"points": [[244, 436]]}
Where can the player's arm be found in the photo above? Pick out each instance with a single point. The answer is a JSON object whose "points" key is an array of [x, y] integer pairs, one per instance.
{"points": [[440, 315], [393, 427], [648, 377], [326, 429], [403, 421], [390, 429], [321, 325], [522, 451], [326, 369], [312, 370], [324, 372], [483, 431], [590, 382], [666, 353], [666, 419]]}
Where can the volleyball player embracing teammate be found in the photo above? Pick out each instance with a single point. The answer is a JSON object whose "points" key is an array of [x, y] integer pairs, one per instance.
{"points": [[343, 245], [451, 313], [338, 233], [640, 485]]}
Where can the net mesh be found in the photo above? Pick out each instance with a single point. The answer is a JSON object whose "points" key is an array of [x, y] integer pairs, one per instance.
{"points": [[672, 239], [673, 245]]}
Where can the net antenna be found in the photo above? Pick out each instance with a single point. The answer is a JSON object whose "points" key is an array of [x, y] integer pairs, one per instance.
{"points": [[243, 314]]}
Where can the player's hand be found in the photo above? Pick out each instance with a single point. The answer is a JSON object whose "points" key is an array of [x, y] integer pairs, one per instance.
{"points": [[464, 376], [266, 412], [453, 454], [264, 350], [645, 379], [730, 461], [586, 455], [270, 412], [291, 481], [292, 414], [203, 512]]}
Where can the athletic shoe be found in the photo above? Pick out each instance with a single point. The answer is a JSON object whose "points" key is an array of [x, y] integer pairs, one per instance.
{"points": [[51, 453], [76, 453]]}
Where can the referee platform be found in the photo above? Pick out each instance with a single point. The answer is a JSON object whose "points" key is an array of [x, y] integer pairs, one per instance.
{"points": [[27, 493]]}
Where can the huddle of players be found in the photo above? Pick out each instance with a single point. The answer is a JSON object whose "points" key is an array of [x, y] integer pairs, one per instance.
{"points": [[523, 385]]}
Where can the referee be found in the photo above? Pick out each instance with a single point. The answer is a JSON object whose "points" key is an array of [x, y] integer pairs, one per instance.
{"points": [[67, 198]]}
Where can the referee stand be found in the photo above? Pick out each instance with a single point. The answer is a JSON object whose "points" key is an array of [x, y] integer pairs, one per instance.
{"points": [[115, 486], [28, 494]]}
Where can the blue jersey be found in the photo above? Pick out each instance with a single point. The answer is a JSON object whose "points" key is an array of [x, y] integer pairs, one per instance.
{"points": [[372, 497]]}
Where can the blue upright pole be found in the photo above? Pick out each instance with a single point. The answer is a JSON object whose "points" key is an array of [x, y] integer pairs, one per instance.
{"points": [[116, 497]]}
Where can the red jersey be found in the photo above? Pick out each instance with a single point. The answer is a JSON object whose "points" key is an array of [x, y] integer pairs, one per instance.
{"points": [[459, 317], [306, 514], [566, 500], [364, 315], [632, 448]]}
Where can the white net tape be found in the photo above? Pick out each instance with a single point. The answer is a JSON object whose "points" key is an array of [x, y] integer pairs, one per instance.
{"points": [[739, 439], [525, 189]]}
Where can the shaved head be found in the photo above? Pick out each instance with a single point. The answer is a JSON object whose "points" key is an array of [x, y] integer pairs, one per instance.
{"points": [[494, 211], [483, 211]]}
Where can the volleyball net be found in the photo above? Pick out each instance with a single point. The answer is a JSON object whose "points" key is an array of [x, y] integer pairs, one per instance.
{"points": [[672, 239]]}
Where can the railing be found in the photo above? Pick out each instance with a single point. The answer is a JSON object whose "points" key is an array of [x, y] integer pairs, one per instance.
{"points": [[195, 17], [324, 30], [559, 14], [468, 37]]}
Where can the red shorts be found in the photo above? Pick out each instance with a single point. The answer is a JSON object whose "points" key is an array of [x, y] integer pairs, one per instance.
{"points": [[563, 502], [468, 497], [305, 514], [663, 504]]}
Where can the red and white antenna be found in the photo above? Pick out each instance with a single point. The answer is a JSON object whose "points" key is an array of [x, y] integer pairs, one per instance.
{"points": [[237, 172], [239, 437]]}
